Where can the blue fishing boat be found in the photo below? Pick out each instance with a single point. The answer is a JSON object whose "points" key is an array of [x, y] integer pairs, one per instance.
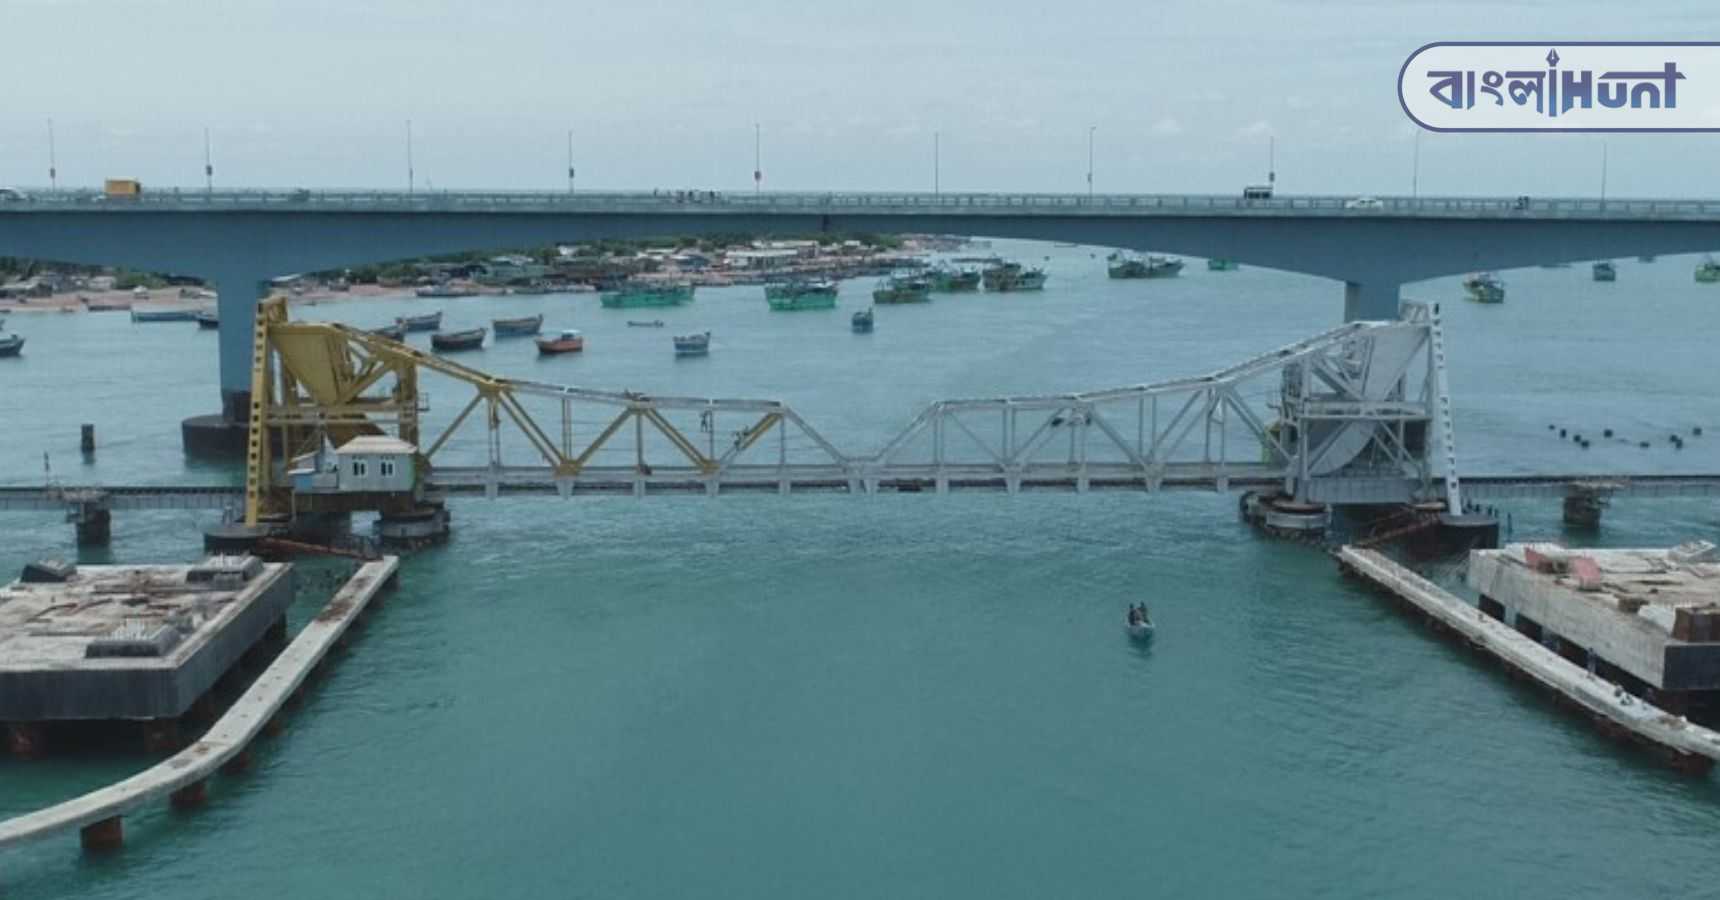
{"points": [[521, 327], [470, 339], [425, 322], [692, 344], [11, 344]]}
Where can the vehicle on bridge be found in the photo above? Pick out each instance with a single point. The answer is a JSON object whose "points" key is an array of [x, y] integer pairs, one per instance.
{"points": [[1257, 192], [122, 189], [1364, 203], [13, 195]]}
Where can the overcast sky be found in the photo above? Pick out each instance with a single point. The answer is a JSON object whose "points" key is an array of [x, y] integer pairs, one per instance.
{"points": [[1184, 94]]}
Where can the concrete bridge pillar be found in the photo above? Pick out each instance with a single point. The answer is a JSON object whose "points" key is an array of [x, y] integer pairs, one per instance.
{"points": [[239, 286], [1363, 300]]}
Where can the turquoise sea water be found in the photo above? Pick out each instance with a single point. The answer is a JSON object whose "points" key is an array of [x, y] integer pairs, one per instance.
{"points": [[911, 695]]}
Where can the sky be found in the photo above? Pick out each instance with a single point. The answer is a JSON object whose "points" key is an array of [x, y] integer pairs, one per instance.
{"points": [[1180, 95]]}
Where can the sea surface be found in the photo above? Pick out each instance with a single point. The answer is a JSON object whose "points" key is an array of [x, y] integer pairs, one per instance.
{"points": [[909, 696]]}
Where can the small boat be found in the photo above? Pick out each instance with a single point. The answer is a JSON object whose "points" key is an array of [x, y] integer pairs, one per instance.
{"points": [[470, 339], [1605, 271], [425, 322], [636, 295], [948, 279], [1222, 265], [11, 344], [1485, 287], [1011, 276], [1140, 631], [1708, 271], [902, 289], [447, 290], [163, 315], [208, 318], [692, 344], [1646, 257], [108, 305], [1150, 267], [862, 321], [569, 341], [790, 296], [654, 323], [1557, 265], [521, 327], [395, 332]]}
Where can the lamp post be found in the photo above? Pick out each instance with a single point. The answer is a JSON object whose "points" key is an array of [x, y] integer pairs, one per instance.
{"points": [[1090, 130]]}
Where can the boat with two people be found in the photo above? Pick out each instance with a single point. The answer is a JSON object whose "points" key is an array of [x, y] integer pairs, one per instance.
{"points": [[1139, 623], [447, 341], [902, 289], [1605, 271], [569, 341], [693, 344], [425, 322], [1148, 267], [862, 321], [524, 326], [1485, 287], [799, 294], [638, 294]]}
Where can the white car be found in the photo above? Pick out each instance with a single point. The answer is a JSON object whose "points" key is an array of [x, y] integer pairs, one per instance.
{"points": [[1364, 203]]}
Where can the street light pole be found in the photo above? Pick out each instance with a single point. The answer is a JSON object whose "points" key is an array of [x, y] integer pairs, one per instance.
{"points": [[411, 177], [208, 166], [1415, 171], [1090, 130], [53, 170], [570, 162], [936, 161], [758, 166]]}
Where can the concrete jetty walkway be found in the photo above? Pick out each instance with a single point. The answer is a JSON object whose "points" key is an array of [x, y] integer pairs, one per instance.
{"points": [[1693, 747], [183, 777]]}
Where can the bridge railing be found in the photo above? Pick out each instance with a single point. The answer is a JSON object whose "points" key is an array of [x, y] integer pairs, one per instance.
{"points": [[697, 201]]}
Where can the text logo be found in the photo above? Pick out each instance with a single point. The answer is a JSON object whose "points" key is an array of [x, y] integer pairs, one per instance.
{"points": [[1524, 86]]}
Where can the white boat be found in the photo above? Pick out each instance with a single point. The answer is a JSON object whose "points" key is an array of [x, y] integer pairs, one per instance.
{"points": [[1140, 631]]}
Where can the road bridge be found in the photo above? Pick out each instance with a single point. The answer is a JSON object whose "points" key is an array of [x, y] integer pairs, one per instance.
{"points": [[238, 240]]}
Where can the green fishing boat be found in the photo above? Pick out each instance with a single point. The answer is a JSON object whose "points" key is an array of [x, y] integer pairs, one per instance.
{"points": [[636, 295], [902, 289], [797, 295], [949, 279], [1010, 276], [1150, 267], [1485, 288], [1222, 265], [1708, 271]]}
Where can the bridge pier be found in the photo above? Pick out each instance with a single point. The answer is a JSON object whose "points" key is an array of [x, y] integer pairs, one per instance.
{"points": [[90, 515], [222, 435], [1372, 300]]}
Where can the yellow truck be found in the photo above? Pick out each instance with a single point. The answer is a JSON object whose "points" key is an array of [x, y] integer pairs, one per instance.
{"points": [[122, 189]]}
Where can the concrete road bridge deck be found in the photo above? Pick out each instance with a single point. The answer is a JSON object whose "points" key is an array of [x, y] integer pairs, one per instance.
{"points": [[238, 240]]}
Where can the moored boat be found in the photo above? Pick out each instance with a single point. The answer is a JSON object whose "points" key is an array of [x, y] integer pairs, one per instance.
{"points": [[795, 295], [11, 344], [208, 318], [425, 322], [1139, 623], [1485, 287], [521, 327], [1150, 267], [163, 315], [862, 321], [948, 279], [108, 305], [693, 344], [654, 323], [569, 341], [395, 332], [447, 290], [1605, 271], [633, 295], [470, 339], [902, 289], [1222, 265], [1708, 271], [1011, 276]]}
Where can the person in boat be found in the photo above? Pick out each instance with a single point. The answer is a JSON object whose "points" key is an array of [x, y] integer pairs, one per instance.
{"points": [[1135, 615]]}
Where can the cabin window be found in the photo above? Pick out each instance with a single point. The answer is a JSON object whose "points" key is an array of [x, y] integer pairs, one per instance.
{"points": [[387, 466], [358, 468]]}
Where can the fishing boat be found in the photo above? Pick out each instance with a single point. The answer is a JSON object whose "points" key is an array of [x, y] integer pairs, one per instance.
{"points": [[1150, 267], [862, 321], [1011, 276], [902, 289], [949, 279], [446, 289], [1222, 265], [1605, 271], [1140, 629], [795, 295], [654, 323], [692, 344], [470, 339], [11, 344], [208, 318], [1485, 287], [1708, 271], [395, 332], [635, 295], [569, 341], [163, 315], [521, 327], [425, 322]]}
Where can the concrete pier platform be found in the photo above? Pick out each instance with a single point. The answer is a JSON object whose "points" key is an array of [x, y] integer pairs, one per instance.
{"points": [[1689, 746], [129, 642], [182, 779]]}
